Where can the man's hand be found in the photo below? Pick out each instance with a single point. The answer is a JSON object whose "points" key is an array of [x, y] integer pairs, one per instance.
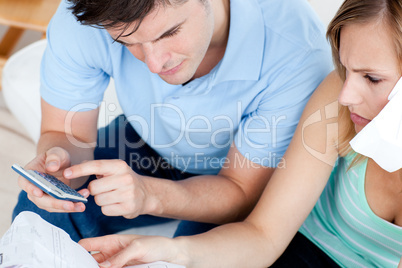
{"points": [[118, 189], [53, 162]]}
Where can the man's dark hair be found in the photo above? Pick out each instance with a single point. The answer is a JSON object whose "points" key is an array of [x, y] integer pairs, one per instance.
{"points": [[116, 13]]}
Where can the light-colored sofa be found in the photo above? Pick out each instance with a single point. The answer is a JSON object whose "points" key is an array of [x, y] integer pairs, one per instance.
{"points": [[20, 117]]}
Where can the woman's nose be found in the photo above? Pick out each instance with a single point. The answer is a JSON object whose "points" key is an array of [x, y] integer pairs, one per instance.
{"points": [[351, 93]]}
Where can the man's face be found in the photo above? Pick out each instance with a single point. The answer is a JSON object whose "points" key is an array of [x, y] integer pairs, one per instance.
{"points": [[172, 40]]}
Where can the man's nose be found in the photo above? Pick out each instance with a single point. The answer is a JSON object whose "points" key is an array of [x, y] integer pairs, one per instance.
{"points": [[154, 57]]}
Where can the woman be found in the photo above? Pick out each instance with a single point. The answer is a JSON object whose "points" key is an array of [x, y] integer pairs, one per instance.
{"points": [[358, 217]]}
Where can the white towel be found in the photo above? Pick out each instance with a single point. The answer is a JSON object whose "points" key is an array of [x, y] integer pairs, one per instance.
{"points": [[381, 139]]}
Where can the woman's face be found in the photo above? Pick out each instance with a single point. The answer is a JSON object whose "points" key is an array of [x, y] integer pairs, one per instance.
{"points": [[372, 69]]}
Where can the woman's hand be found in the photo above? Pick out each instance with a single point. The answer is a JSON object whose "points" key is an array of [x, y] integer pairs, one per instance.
{"points": [[115, 251]]}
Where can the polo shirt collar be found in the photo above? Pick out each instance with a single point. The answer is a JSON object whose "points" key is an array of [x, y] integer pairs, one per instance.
{"points": [[245, 48]]}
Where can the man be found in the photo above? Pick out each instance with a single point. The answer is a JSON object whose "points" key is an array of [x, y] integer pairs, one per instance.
{"points": [[212, 91]]}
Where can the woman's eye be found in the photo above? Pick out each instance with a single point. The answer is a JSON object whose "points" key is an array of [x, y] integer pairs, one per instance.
{"points": [[372, 79]]}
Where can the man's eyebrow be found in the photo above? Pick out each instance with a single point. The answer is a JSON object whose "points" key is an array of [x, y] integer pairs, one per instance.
{"points": [[169, 31], [165, 34]]}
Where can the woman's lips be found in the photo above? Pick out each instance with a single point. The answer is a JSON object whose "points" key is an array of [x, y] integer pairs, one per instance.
{"points": [[358, 120]]}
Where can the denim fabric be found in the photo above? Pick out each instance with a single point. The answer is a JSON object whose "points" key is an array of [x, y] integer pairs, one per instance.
{"points": [[117, 140], [302, 253], [187, 228]]}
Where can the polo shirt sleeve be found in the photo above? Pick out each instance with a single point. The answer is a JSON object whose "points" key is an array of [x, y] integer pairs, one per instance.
{"points": [[72, 71], [265, 133]]}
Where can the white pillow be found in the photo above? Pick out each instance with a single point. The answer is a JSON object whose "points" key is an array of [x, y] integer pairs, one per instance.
{"points": [[21, 85]]}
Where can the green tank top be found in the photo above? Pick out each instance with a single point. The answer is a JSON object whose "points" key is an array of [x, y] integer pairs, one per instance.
{"points": [[343, 225]]}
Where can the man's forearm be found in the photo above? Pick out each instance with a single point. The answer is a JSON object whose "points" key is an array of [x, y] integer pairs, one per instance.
{"points": [[208, 198]]}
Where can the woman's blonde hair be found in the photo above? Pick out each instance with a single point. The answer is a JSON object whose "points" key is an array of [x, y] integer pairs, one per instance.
{"points": [[362, 11]]}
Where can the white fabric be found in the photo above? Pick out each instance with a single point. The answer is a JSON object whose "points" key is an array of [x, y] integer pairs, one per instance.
{"points": [[381, 139], [21, 87], [21, 82]]}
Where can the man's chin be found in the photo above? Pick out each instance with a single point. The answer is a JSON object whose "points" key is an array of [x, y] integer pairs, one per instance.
{"points": [[175, 79]]}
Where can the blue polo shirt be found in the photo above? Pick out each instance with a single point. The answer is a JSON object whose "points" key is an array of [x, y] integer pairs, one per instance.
{"points": [[276, 56]]}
